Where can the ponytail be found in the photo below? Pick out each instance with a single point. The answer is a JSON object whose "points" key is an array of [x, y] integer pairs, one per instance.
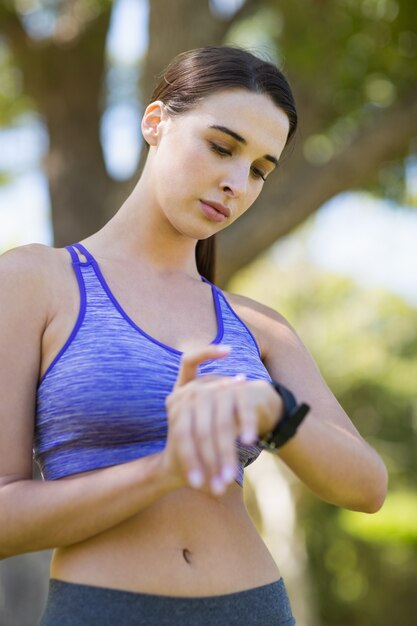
{"points": [[205, 254]]}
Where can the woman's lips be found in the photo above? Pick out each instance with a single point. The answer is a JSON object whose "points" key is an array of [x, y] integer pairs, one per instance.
{"points": [[212, 213]]}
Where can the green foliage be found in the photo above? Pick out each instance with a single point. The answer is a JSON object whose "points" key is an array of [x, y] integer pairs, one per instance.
{"points": [[395, 523], [363, 43], [13, 102]]}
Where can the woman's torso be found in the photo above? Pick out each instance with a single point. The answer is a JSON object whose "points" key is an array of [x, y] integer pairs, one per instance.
{"points": [[187, 543]]}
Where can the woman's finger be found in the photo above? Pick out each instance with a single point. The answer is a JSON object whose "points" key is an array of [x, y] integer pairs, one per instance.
{"points": [[191, 360], [225, 431], [202, 404], [247, 417], [186, 448], [212, 405]]}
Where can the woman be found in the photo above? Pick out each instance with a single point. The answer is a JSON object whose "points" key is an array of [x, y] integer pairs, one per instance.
{"points": [[142, 421]]}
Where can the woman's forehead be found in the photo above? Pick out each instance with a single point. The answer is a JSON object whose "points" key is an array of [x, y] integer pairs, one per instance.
{"points": [[247, 114], [233, 98]]}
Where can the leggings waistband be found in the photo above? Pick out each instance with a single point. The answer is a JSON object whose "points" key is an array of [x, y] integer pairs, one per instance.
{"points": [[75, 604]]}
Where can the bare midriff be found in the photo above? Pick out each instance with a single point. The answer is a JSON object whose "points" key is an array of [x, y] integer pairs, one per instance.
{"points": [[187, 543]]}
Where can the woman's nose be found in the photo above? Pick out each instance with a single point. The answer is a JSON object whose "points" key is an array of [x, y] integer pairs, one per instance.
{"points": [[235, 183]]}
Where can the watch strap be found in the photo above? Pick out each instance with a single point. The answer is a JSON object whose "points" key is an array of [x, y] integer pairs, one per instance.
{"points": [[286, 428]]}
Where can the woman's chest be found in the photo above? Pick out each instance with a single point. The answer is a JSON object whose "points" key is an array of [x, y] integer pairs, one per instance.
{"points": [[173, 318]]}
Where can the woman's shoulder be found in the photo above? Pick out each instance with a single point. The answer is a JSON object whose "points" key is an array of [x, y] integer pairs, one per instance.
{"points": [[29, 271], [26, 263], [25, 306], [34, 262], [27, 255], [261, 319]]}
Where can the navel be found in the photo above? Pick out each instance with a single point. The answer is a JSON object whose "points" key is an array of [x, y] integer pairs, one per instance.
{"points": [[187, 555]]}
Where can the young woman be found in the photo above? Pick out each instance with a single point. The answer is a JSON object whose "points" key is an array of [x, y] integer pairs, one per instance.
{"points": [[118, 365]]}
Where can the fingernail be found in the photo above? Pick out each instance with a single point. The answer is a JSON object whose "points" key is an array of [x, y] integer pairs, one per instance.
{"points": [[238, 378], [248, 437], [223, 347], [228, 473], [217, 485], [195, 478]]}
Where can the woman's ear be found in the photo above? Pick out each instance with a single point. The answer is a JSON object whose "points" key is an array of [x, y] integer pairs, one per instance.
{"points": [[154, 114]]}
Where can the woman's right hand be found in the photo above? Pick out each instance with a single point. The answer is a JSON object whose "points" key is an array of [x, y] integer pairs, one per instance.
{"points": [[202, 425]]}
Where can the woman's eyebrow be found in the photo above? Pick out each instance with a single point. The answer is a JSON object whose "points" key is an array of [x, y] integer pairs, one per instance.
{"points": [[241, 140]]}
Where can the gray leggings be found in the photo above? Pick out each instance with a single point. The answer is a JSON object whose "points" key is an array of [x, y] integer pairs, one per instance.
{"points": [[71, 604]]}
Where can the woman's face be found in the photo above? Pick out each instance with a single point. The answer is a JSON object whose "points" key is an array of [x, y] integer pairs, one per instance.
{"points": [[221, 151]]}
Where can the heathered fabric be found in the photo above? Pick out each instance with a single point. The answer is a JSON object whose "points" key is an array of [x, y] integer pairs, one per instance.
{"points": [[101, 402], [74, 604]]}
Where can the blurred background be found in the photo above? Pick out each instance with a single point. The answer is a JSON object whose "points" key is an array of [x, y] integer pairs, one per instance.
{"points": [[331, 244]]}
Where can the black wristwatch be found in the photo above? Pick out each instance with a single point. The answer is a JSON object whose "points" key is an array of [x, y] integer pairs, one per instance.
{"points": [[286, 428]]}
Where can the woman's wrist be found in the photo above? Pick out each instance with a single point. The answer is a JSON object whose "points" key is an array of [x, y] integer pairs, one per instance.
{"points": [[293, 414], [164, 476]]}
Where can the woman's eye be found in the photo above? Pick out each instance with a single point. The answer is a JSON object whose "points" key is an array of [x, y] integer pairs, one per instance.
{"points": [[258, 173], [223, 152], [219, 149]]}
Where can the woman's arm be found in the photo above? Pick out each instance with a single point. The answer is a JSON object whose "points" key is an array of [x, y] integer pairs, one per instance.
{"points": [[37, 515], [327, 453]]}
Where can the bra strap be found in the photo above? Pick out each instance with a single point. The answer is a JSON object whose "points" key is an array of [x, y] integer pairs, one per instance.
{"points": [[84, 251], [74, 256]]}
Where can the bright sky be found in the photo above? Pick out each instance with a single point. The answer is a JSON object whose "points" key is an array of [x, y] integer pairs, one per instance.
{"points": [[373, 241]]}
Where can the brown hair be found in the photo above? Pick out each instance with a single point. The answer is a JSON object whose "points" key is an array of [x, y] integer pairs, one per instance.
{"points": [[194, 74]]}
